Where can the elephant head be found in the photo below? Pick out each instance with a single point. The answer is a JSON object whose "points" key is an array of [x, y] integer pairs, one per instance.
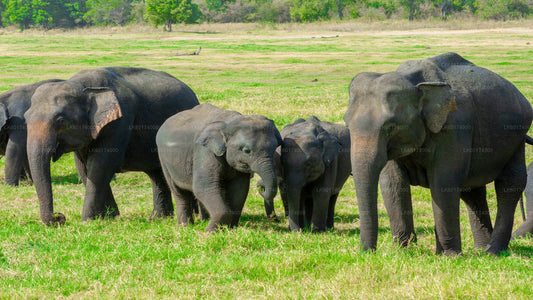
{"points": [[389, 117], [248, 144], [307, 152], [63, 117]]}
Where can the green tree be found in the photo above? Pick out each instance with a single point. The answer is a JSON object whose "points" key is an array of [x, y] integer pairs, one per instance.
{"points": [[26, 13], [108, 12], [168, 12], [412, 6], [340, 5], [311, 10], [217, 5]]}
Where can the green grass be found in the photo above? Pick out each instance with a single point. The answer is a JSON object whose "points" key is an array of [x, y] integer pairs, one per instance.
{"points": [[254, 70]]}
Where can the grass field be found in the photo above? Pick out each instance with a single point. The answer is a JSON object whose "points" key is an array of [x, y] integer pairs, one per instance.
{"points": [[284, 73]]}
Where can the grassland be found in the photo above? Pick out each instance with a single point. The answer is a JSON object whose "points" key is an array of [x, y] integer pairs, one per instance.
{"points": [[284, 73]]}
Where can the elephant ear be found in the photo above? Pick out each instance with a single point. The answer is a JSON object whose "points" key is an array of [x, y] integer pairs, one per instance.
{"points": [[331, 147], [3, 115], [437, 102], [212, 137], [103, 108]]}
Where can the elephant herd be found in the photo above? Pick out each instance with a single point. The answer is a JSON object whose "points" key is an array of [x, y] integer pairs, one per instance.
{"points": [[442, 123]]}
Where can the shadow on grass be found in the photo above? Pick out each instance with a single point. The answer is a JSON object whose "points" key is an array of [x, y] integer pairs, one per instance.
{"points": [[66, 179], [520, 250]]}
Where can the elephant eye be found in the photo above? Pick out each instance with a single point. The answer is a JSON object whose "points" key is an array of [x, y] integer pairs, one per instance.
{"points": [[60, 120], [246, 150]]}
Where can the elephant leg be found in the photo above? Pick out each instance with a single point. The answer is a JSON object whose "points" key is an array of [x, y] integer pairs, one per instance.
{"points": [[99, 200], [396, 191], [331, 211], [509, 187], [15, 157], [296, 204], [320, 202], [110, 205], [445, 202], [161, 194], [184, 205], [81, 167], [236, 193], [307, 206], [202, 211], [211, 196], [478, 213]]}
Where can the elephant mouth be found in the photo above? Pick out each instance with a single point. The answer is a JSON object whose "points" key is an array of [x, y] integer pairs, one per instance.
{"points": [[243, 167], [57, 152]]}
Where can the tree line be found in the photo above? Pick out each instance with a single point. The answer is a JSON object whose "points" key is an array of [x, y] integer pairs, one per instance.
{"points": [[80, 13]]}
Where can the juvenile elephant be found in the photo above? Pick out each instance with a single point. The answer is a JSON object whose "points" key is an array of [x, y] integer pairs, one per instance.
{"points": [[314, 165], [445, 124], [527, 227], [109, 117], [209, 153], [13, 104]]}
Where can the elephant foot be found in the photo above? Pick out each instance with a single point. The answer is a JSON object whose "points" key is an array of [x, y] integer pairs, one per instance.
{"points": [[157, 213], [494, 250], [451, 252], [405, 240], [273, 219], [58, 219], [524, 231]]}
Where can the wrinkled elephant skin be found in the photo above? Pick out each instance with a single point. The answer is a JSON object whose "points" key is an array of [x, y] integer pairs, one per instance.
{"points": [[445, 124], [13, 104], [109, 118], [208, 154]]}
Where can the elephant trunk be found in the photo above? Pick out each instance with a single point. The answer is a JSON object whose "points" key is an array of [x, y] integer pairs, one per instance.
{"points": [[269, 183], [369, 156], [41, 147]]}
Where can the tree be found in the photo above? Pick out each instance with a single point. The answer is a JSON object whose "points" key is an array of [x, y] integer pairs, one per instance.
{"points": [[412, 7], [108, 12], [168, 12], [311, 10], [27, 12]]}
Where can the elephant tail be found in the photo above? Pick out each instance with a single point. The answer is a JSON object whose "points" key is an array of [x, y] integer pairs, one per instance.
{"points": [[529, 140]]}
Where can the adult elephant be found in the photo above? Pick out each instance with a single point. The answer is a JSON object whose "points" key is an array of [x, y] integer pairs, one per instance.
{"points": [[13, 104], [445, 124], [208, 153], [109, 117], [314, 164]]}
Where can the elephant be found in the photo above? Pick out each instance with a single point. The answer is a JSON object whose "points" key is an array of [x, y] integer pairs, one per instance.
{"points": [[208, 153], [445, 124], [527, 227], [13, 104], [109, 118], [314, 164]]}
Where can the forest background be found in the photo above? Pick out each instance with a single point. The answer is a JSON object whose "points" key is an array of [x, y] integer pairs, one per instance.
{"points": [[49, 14]]}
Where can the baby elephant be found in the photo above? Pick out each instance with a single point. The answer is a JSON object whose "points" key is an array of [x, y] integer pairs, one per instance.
{"points": [[209, 153], [527, 228], [315, 163]]}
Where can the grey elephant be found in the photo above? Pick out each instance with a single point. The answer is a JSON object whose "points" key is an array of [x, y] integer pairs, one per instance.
{"points": [[208, 154], [13, 104], [314, 164], [109, 118], [445, 124], [527, 227]]}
